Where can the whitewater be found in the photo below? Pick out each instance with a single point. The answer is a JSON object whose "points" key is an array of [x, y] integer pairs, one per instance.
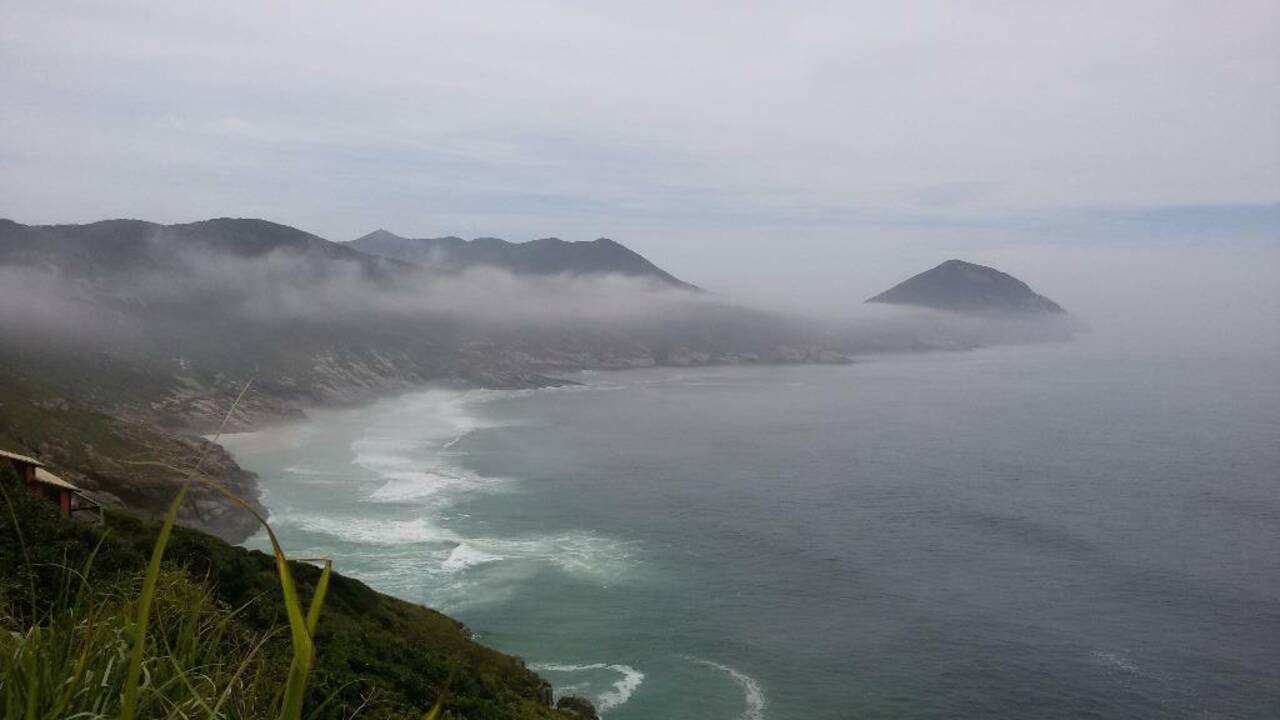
{"points": [[1067, 528], [388, 513]]}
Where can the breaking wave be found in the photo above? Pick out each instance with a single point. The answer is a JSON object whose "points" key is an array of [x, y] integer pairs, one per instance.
{"points": [[422, 485], [384, 506], [368, 531], [464, 556], [618, 693], [301, 470]]}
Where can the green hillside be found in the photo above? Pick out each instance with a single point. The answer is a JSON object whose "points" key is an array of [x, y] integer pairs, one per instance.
{"points": [[378, 657]]}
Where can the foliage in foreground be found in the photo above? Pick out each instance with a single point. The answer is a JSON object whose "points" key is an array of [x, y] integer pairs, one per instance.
{"points": [[69, 607], [199, 662]]}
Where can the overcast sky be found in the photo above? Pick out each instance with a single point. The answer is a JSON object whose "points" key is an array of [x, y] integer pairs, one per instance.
{"points": [[784, 149]]}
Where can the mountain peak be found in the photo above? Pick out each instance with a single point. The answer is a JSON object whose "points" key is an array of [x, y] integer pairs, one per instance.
{"points": [[962, 286], [380, 234]]}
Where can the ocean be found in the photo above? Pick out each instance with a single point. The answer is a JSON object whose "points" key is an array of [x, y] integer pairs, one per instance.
{"points": [[1056, 531]]}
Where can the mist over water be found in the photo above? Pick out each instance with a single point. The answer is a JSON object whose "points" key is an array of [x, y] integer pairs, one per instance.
{"points": [[1074, 528], [781, 518]]}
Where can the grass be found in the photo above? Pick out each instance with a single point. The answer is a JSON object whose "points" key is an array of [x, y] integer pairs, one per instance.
{"points": [[163, 622], [159, 645], [197, 663], [68, 665]]}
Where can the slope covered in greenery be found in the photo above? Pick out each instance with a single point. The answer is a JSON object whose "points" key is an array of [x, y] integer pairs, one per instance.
{"points": [[378, 657]]}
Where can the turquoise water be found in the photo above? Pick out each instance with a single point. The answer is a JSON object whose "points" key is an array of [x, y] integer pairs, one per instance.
{"points": [[1052, 532]]}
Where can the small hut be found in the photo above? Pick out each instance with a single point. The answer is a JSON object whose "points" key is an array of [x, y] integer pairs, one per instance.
{"points": [[26, 466], [42, 483]]}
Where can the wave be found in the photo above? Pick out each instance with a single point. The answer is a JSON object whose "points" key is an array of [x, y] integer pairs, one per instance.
{"points": [[617, 694], [578, 553], [370, 531], [405, 450], [465, 556], [421, 485], [753, 694], [427, 420], [300, 470], [388, 512]]}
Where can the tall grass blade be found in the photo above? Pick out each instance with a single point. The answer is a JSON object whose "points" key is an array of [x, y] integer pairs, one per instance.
{"points": [[317, 600], [129, 704], [33, 682], [235, 677], [301, 627]]}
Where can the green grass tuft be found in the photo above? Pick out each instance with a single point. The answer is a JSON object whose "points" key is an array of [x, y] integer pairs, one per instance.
{"points": [[221, 636]]}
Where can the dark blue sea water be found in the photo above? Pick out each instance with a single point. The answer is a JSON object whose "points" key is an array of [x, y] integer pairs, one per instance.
{"points": [[1040, 532]]}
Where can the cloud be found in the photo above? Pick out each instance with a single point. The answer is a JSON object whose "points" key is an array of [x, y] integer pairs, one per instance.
{"points": [[448, 115], [798, 155], [173, 278]]}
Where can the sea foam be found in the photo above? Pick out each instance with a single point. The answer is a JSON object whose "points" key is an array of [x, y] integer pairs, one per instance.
{"points": [[425, 485], [617, 694], [392, 509], [753, 694], [370, 531], [465, 556]]}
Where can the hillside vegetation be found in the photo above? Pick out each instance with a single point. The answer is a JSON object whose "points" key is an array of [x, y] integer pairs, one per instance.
{"points": [[219, 619]]}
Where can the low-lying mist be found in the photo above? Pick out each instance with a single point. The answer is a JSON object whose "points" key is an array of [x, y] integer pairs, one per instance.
{"points": [[180, 289], [229, 299], [283, 286]]}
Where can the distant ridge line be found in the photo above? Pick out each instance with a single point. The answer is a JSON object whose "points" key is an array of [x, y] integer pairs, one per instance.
{"points": [[543, 256]]}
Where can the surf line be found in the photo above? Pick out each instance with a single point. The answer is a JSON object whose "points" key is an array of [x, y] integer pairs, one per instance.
{"points": [[753, 694], [621, 690]]}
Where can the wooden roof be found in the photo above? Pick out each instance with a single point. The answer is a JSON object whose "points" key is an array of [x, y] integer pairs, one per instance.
{"points": [[48, 478], [21, 458]]}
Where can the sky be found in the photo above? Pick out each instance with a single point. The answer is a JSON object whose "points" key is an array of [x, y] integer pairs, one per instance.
{"points": [[790, 153]]}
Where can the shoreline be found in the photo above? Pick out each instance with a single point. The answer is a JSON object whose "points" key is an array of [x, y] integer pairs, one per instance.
{"points": [[361, 528], [375, 550], [276, 411]]}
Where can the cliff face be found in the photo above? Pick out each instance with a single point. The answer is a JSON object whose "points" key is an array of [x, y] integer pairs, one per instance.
{"points": [[123, 461]]}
